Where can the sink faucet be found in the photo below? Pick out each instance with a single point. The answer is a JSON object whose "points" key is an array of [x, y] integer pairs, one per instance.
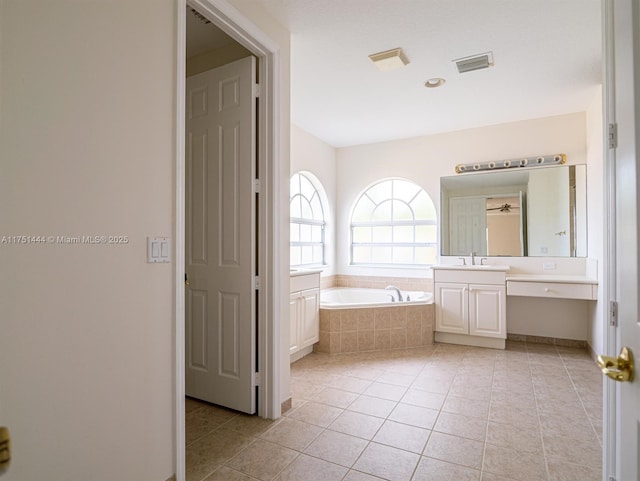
{"points": [[473, 258], [394, 288]]}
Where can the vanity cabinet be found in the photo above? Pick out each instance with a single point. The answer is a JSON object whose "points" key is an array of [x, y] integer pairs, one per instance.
{"points": [[304, 312], [475, 309], [471, 306]]}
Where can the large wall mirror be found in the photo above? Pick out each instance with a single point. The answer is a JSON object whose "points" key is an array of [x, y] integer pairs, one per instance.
{"points": [[525, 212]]}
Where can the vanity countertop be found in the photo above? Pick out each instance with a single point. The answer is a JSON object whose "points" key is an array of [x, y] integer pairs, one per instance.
{"points": [[303, 272], [557, 278], [459, 267]]}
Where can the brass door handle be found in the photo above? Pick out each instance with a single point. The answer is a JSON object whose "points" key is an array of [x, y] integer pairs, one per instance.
{"points": [[5, 449], [186, 280], [618, 368]]}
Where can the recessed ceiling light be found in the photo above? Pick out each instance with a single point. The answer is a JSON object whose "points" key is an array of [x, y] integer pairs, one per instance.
{"points": [[390, 59], [434, 82]]}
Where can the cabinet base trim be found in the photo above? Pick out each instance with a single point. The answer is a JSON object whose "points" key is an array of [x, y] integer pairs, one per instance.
{"points": [[301, 353], [465, 340]]}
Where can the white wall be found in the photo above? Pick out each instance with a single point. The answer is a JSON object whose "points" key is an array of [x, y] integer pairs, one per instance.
{"points": [[308, 153], [425, 159], [87, 148], [87, 331], [595, 222]]}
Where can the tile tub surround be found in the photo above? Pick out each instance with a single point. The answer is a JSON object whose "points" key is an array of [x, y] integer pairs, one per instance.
{"points": [[431, 413], [379, 282], [375, 329]]}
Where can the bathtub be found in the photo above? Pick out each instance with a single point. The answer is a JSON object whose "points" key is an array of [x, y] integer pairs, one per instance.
{"points": [[352, 297], [360, 320]]}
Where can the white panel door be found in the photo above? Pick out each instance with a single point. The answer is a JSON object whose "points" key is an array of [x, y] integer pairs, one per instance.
{"points": [[468, 226], [487, 306], [452, 311], [220, 236], [627, 108]]}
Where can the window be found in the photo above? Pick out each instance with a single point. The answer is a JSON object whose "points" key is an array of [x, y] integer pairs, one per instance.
{"points": [[307, 221], [394, 223]]}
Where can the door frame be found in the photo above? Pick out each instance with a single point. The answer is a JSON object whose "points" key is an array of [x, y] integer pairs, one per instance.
{"points": [[241, 29]]}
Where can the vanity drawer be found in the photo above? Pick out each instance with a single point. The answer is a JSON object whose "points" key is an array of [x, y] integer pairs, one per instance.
{"points": [[554, 290], [302, 282]]}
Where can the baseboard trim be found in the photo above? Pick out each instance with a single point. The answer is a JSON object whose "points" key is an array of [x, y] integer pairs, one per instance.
{"points": [[286, 405]]}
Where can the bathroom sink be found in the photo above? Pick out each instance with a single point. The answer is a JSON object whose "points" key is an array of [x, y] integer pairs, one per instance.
{"points": [[501, 268]]}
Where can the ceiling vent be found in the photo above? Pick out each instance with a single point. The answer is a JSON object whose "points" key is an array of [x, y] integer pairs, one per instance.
{"points": [[390, 59], [476, 62]]}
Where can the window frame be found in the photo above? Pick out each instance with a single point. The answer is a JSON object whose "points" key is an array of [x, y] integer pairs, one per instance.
{"points": [[414, 223], [300, 221]]}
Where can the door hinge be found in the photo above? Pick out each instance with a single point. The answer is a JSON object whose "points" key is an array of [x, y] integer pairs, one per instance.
{"points": [[257, 90], [613, 313], [613, 136], [611, 478], [256, 283], [257, 186], [257, 379]]}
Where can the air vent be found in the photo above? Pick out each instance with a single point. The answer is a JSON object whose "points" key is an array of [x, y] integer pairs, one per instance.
{"points": [[476, 62]]}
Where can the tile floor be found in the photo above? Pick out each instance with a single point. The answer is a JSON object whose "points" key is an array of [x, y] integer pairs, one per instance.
{"points": [[530, 413]]}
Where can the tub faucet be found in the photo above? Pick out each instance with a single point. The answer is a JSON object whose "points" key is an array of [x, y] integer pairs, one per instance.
{"points": [[473, 258], [394, 288]]}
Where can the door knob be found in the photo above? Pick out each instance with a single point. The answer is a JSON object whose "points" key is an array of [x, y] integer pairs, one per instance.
{"points": [[5, 449], [186, 280], [618, 368]]}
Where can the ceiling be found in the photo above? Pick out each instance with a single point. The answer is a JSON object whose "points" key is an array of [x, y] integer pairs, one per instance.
{"points": [[547, 56]]}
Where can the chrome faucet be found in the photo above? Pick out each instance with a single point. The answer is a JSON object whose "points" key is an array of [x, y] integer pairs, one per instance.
{"points": [[473, 258], [394, 288]]}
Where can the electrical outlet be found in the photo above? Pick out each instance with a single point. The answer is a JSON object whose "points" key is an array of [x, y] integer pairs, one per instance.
{"points": [[548, 266]]}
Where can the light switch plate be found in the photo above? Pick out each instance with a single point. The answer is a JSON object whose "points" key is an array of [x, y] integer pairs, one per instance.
{"points": [[158, 249]]}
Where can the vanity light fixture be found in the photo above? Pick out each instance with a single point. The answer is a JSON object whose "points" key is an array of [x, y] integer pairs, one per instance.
{"points": [[434, 82], [541, 160], [389, 59]]}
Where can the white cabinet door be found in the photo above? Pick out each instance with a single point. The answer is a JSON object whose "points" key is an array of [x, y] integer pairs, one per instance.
{"points": [[294, 322], [487, 306], [310, 317], [452, 311]]}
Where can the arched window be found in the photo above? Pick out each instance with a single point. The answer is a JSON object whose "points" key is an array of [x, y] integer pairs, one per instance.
{"points": [[394, 223], [307, 221]]}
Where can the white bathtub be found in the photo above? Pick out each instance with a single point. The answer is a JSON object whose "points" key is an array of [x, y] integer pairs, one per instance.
{"points": [[351, 297]]}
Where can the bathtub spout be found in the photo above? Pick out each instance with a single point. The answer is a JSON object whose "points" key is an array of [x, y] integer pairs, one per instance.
{"points": [[394, 288]]}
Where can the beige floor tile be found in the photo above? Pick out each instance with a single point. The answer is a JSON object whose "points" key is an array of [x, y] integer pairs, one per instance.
{"points": [[373, 406], [463, 426], [364, 372], [335, 397], [561, 471], [575, 451], [337, 448], [227, 474], [521, 417], [191, 404], [423, 399], [467, 407], [575, 427], [292, 434], [316, 413], [454, 449], [358, 476], [200, 422], [357, 424], [514, 464], [304, 389], [350, 384], [435, 385], [312, 469], [250, 425], [262, 460], [528, 440], [387, 463], [402, 436], [431, 469], [480, 393], [495, 477], [396, 379], [209, 452], [414, 415], [386, 391]]}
